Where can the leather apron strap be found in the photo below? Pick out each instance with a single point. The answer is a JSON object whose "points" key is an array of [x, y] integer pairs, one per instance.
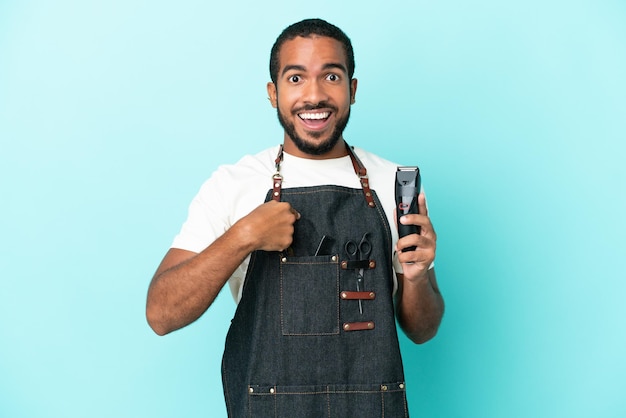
{"points": [[359, 169]]}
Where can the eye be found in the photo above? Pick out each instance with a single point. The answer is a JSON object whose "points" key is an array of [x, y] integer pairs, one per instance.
{"points": [[294, 79], [332, 77]]}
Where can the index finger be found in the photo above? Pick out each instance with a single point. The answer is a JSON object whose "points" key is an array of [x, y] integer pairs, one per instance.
{"points": [[421, 204]]}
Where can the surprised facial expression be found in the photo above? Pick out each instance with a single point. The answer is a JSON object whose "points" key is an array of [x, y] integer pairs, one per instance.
{"points": [[313, 94]]}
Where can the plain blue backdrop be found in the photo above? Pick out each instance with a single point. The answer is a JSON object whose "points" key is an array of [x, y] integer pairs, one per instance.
{"points": [[112, 114]]}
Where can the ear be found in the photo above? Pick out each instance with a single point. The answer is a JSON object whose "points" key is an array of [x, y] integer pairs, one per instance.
{"points": [[353, 84], [271, 94]]}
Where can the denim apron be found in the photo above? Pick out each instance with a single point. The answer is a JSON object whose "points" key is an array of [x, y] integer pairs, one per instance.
{"points": [[305, 340]]}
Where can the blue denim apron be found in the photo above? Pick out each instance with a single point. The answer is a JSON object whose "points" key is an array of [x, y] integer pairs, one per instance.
{"points": [[304, 341]]}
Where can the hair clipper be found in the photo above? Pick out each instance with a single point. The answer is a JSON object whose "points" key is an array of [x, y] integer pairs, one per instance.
{"points": [[408, 186]]}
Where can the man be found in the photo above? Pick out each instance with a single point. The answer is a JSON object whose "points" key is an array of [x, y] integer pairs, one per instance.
{"points": [[312, 268]]}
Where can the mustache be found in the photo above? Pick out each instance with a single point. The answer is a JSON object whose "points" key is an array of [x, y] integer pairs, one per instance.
{"points": [[320, 105]]}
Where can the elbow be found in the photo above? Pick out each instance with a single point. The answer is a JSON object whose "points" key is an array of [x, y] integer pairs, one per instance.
{"points": [[158, 328], [423, 336], [155, 320], [160, 331], [420, 331]]}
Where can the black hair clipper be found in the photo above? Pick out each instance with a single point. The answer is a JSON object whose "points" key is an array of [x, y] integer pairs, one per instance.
{"points": [[408, 186]]}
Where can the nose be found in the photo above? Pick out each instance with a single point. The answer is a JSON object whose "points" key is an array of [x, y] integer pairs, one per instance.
{"points": [[314, 92]]}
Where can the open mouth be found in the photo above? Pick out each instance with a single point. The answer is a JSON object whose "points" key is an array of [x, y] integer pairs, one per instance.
{"points": [[314, 120]]}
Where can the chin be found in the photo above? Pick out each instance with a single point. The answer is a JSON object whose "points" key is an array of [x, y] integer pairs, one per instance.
{"points": [[315, 146]]}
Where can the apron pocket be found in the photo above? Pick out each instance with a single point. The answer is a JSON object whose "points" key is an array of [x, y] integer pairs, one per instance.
{"points": [[331, 401], [309, 295]]}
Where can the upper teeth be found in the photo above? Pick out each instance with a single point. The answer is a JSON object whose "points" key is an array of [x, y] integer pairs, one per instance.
{"points": [[322, 115]]}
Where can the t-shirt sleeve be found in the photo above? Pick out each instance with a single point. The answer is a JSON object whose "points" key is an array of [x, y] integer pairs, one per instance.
{"points": [[229, 194], [207, 219]]}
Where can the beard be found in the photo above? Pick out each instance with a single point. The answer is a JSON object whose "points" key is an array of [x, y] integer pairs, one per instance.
{"points": [[310, 148]]}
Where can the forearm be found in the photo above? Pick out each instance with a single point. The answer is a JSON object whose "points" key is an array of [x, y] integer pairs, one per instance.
{"points": [[419, 306], [183, 290], [186, 284]]}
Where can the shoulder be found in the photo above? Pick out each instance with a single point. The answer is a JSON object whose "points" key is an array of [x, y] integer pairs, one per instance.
{"points": [[250, 170], [381, 171], [230, 193], [374, 159], [259, 164], [236, 188]]}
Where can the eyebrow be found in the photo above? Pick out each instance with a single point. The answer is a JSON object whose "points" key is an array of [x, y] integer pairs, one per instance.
{"points": [[328, 66]]}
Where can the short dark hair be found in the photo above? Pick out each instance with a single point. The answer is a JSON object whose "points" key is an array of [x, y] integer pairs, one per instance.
{"points": [[305, 29]]}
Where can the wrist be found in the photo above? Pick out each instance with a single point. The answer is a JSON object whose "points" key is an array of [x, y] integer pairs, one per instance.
{"points": [[242, 236], [414, 274]]}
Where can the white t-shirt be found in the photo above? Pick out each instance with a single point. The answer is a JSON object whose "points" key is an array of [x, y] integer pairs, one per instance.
{"points": [[235, 190]]}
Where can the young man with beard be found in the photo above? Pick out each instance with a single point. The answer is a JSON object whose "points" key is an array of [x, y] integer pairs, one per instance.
{"points": [[314, 332]]}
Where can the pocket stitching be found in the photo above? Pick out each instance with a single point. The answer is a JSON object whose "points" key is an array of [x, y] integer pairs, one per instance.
{"points": [[336, 330]]}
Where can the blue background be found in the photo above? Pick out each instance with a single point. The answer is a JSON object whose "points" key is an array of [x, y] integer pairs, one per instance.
{"points": [[112, 114]]}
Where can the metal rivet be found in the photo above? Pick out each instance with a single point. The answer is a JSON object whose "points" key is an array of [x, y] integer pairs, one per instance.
{"points": [[346, 326], [368, 194], [284, 259], [275, 193], [371, 204], [344, 265], [370, 325], [343, 295], [251, 390], [271, 390], [276, 184], [372, 264], [334, 258], [383, 387], [372, 295], [401, 385]]}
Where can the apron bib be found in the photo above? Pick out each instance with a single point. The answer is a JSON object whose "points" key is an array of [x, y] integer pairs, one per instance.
{"points": [[315, 335]]}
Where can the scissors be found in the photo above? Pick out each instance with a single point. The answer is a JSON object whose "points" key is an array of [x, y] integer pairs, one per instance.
{"points": [[359, 252]]}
